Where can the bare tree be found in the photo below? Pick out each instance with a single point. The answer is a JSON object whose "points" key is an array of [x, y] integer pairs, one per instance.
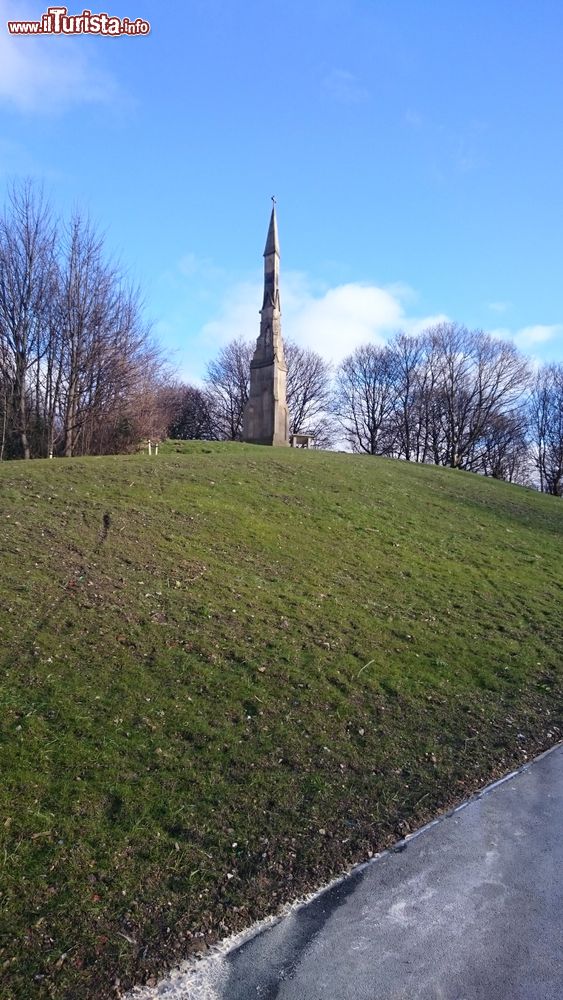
{"points": [[89, 305], [228, 384], [6, 393], [546, 428], [308, 387], [77, 367], [27, 239], [411, 373], [109, 369], [120, 402], [365, 397], [474, 378], [83, 293], [450, 396], [188, 413], [503, 451]]}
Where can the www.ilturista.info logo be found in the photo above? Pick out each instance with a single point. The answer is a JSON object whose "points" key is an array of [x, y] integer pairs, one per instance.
{"points": [[57, 21]]}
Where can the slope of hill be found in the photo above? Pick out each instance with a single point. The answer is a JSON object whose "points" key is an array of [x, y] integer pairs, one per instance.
{"points": [[229, 672]]}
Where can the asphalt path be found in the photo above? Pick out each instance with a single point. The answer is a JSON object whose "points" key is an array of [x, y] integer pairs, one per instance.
{"points": [[470, 908]]}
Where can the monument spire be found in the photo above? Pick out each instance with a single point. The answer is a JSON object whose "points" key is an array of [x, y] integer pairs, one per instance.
{"points": [[272, 243], [272, 263], [265, 419]]}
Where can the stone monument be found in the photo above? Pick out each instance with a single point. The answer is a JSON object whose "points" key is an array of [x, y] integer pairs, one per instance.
{"points": [[265, 418]]}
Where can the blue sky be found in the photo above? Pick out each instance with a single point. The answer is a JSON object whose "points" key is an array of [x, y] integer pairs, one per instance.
{"points": [[415, 150]]}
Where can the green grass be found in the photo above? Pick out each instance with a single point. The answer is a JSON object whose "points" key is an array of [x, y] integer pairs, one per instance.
{"points": [[269, 664]]}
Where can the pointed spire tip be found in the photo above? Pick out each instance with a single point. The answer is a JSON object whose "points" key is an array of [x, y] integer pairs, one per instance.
{"points": [[272, 242]]}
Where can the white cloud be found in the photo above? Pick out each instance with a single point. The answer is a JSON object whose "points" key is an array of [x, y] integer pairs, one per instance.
{"points": [[529, 336], [343, 318], [344, 87], [44, 75], [330, 319], [238, 315], [531, 339], [499, 307], [187, 374], [333, 321], [203, 268]]}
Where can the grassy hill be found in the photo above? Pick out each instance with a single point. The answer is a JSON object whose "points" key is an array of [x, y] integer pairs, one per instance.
{"points": [[228, 672]]}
